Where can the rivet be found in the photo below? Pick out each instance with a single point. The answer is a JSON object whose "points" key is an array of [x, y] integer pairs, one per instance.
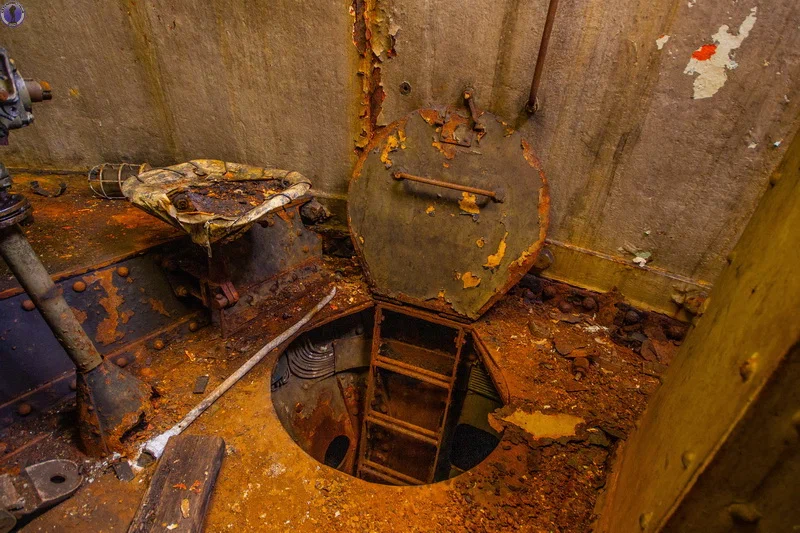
{"points": [[158, 344], [24, 409], [73, 385], [28, 305], [748, 368], [79, 286], [731, 257], [644, 520], [193, 326], [123, 272], [121, 362], [688, 458], [744, 513]]}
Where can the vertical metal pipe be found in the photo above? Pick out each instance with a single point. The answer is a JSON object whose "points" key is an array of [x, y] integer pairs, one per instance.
{"points": [[532, 105], [28, 269]]}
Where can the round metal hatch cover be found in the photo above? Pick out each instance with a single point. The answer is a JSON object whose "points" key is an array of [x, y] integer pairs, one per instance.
{"points": [[447, 212]]}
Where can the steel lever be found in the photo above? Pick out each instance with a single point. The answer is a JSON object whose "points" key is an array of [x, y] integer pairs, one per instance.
{"points": [[496, 196]]}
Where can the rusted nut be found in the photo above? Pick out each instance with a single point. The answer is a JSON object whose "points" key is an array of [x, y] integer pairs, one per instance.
{"points": [[298, 407], [688, 458], [544, 260], [676, 332], [549, 292], [28, 305], [748, 368], [158, 344], [589, 304], [632, 317], [193, 326], [580, 367], [79, 286], [123, 272], [121, 362], [24, 409], [181, 291]]}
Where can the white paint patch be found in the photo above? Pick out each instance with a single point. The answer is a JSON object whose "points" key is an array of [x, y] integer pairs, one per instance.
{"points": [[691, 3], [710, 71], [661, 41]]}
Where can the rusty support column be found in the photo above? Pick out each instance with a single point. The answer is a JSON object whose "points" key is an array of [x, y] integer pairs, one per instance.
{"points": [[110, 401], [532, 106]]}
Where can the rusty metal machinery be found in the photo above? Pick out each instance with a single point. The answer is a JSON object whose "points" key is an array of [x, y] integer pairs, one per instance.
{"points": [[110, 401]]}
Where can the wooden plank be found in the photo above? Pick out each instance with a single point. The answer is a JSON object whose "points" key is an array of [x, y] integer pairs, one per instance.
{"points": [[179, 492]]}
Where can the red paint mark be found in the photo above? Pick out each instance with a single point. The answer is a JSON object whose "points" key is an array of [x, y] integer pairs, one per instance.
{"points": [[705, 52]]}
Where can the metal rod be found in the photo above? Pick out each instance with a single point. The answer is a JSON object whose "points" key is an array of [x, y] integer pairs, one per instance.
{"points": [[454, 186], [532, 105], [28, 269]]}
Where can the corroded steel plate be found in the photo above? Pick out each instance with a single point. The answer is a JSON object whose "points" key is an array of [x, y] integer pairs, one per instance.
{"points": [[450, 251]]}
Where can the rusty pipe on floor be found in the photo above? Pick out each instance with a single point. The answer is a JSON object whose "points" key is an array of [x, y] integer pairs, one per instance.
{"points": [[533, 105]]}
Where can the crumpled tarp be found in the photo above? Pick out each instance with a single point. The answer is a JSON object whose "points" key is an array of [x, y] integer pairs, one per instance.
{"points": [[227, 211]]}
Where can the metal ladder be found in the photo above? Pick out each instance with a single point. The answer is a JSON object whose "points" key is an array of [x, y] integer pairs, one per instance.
{"points": [[374, 419]]}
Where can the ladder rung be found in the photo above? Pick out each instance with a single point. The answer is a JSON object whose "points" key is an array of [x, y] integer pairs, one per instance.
{"points": [[392, 425], [373, 415], [385, 472], [413, 372]]}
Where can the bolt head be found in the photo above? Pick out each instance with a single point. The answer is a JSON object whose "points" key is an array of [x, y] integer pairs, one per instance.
{"points": [[158, 344], [123, 272], [28, 305], [79, 286], [193, 326]]}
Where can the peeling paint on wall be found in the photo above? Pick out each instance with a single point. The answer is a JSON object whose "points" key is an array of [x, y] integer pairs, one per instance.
{"points": [[711, 61], [374, 37], [661, 41]]}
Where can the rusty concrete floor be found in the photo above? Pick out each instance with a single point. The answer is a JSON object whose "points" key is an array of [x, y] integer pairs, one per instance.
{"points": [[268, 483]]}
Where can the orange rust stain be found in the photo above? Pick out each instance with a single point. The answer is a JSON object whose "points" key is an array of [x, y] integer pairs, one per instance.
{"points": [[467, 203], [470, 281], [391, 145], [158, 306], [493, 261], [705, 52], [431, 116], [451, 125], [125, 316], [430, 209], [544, 207], [80, 314], [107, 331], [447, 150]]}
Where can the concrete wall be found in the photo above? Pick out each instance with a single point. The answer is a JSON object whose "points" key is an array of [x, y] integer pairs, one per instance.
{"points": [[633, 159]]}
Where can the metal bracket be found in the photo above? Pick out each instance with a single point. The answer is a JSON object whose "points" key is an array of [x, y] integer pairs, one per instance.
{"points": [[37, 189]]}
